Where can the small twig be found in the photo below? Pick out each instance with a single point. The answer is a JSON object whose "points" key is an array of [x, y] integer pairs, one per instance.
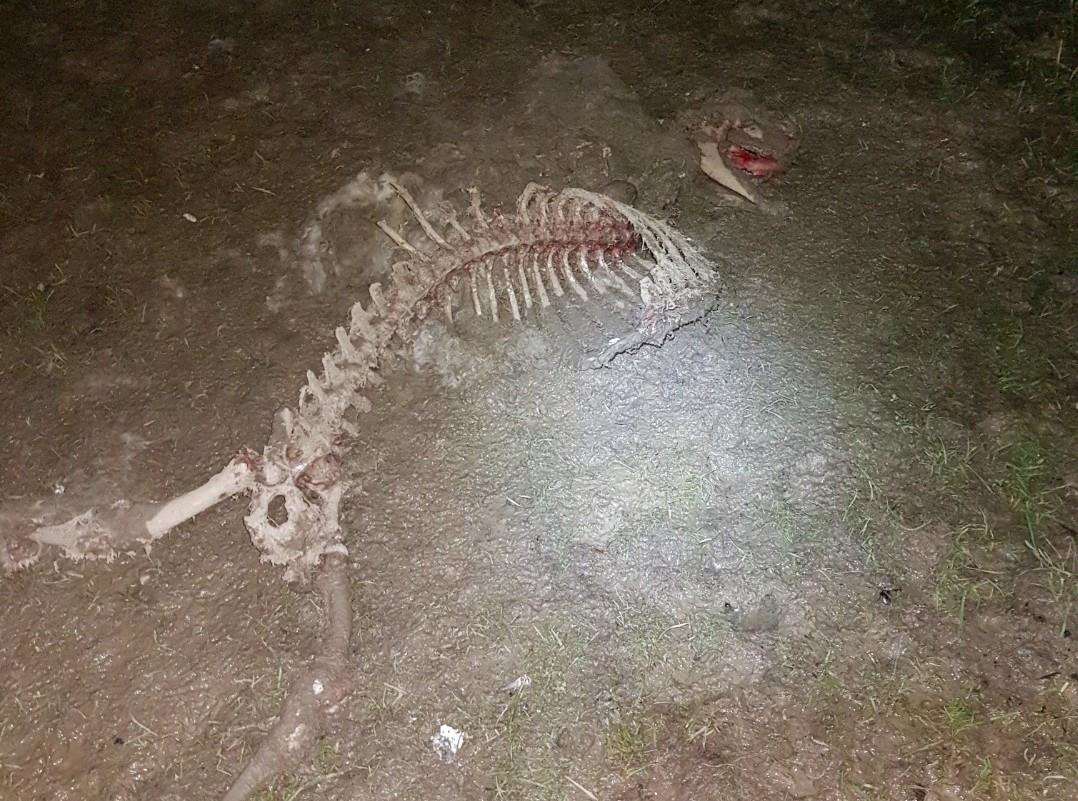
{"points": [[145, 728], [582, 788]]}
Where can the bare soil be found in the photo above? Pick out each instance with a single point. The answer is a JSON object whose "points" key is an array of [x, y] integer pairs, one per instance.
{"points": [[820, 545]]}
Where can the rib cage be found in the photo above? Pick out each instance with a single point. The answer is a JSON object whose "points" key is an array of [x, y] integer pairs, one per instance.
{"points": [[559, 244], [572, 241]]}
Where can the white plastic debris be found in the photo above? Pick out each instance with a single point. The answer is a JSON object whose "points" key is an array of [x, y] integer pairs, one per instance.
{"points": [[447, 742], [318, 687], [191, 218]]}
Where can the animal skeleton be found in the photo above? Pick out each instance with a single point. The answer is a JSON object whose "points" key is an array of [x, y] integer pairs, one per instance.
{"points": [[556, 244]]}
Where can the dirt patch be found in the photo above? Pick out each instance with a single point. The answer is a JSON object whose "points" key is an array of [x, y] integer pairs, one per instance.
{"points": [[819, 546]]}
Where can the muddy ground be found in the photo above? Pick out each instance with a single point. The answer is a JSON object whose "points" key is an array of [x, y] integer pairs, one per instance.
{"points": [[819, 546]]}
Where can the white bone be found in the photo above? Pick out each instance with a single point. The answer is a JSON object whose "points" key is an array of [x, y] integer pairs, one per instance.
{"points": [[420, 217], [475, 294], [512, 295], [552, 274], [524, 279], [582, 250], [544, 301], [400, 240], [577, 288], [493, 297]]}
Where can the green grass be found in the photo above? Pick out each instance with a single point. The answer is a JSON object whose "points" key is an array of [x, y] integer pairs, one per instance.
{"points": [[985, 777], [527, 765], [1020, 370], [992, 34], [1023, 480], [37, 305], [959, 715], [1026, 468], [874, 518], [956, 82], [525, 728], [629, 740], [949, 464], [328, 760], [1027, 45], [286, 788], [1028, 488], [34, 304], [642, 632], [787, 522], [276, 694], [961, 583]]}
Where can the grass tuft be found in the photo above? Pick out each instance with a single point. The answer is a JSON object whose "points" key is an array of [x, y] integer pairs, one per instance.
{"points": [[628, 742], [1020, 373], [961, 583], [1027, 488], [959, 715]]}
